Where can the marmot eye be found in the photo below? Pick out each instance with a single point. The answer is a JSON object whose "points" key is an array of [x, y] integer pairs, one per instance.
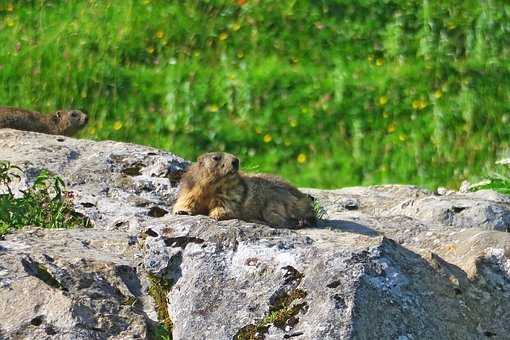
{"points": [[216, 158]]}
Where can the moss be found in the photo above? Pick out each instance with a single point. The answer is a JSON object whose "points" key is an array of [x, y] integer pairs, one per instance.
{"points": [[129, 301], [160, 332], [158, 290], [287, 299], [283, 311], [250, 332]]}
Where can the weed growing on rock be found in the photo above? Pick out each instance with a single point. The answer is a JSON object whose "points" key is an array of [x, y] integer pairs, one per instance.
{"points": [[318, 209], [158, 290], [280, 315], [45, 204], [161, 333], [498, 181]]}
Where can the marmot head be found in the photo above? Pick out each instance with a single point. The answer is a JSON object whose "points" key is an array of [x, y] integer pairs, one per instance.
{"points": [[69, 121], [218, 165]]}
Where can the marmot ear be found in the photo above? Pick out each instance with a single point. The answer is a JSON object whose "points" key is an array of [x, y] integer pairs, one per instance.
{"points": [[56, 117]]}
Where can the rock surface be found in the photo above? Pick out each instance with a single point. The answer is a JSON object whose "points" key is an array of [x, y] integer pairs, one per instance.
{"points": [[384, 262]]}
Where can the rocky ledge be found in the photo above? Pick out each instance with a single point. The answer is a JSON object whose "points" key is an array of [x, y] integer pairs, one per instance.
{"points": [[385, 262]]}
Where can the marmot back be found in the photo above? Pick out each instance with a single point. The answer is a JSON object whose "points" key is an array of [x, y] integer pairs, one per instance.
{"points": [[214, 186], [61, 122]]}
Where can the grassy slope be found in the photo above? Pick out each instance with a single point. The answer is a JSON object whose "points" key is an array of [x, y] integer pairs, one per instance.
{"points": [[325, 93]]}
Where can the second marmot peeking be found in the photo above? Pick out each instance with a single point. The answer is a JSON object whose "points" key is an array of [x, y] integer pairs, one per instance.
{"points": [[214, 186], [61, 122]]}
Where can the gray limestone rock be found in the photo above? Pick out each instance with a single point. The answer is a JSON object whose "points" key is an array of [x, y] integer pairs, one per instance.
{"points": [[384, 262]]}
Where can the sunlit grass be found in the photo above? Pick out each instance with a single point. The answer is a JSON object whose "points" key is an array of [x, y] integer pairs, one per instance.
{"points": [[312, 91]]}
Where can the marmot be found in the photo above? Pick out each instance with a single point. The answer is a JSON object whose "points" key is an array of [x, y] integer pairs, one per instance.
{"points": [[60, 123], [214, 186]]}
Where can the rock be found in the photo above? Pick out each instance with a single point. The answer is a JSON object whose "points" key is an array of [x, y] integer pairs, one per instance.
{"points": [[112, 182], [442, 191], [388, 262], [465, 187], [484, 209], [70, 284]]}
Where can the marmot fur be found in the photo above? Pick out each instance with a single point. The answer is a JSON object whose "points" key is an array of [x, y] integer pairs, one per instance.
{"points": [[214, 186], [60, 123]]}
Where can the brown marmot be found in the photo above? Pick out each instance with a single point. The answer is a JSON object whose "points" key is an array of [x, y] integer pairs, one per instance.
{"points": [[214, 186], [61, 122]]}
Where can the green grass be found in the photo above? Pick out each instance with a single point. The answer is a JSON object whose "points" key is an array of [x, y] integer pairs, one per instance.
{"points": [[323, 93], [498, 180], [45, 204]]}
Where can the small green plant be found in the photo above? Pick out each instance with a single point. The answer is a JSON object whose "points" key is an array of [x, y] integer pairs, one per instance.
{"points": [[284, 309], [318, 209], [498, 181], [158, 290], [161, 333], [45, 204]]}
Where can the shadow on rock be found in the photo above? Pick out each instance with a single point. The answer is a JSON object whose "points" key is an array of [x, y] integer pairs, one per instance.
{"points": [[347, 226], [130, 279], [438, 295]]}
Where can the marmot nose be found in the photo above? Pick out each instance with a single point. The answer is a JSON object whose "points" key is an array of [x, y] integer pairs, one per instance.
{"points": [[235, 164]]}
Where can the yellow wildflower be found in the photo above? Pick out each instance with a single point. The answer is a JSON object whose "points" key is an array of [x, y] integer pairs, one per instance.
{"points": [[223, 36], [160, 34], [379, 61], [383, 100], [301, 158], [150, 50], [392, 127], [419, 104], [213, 108], [117, 125], [236, 26], [267, 138]]}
